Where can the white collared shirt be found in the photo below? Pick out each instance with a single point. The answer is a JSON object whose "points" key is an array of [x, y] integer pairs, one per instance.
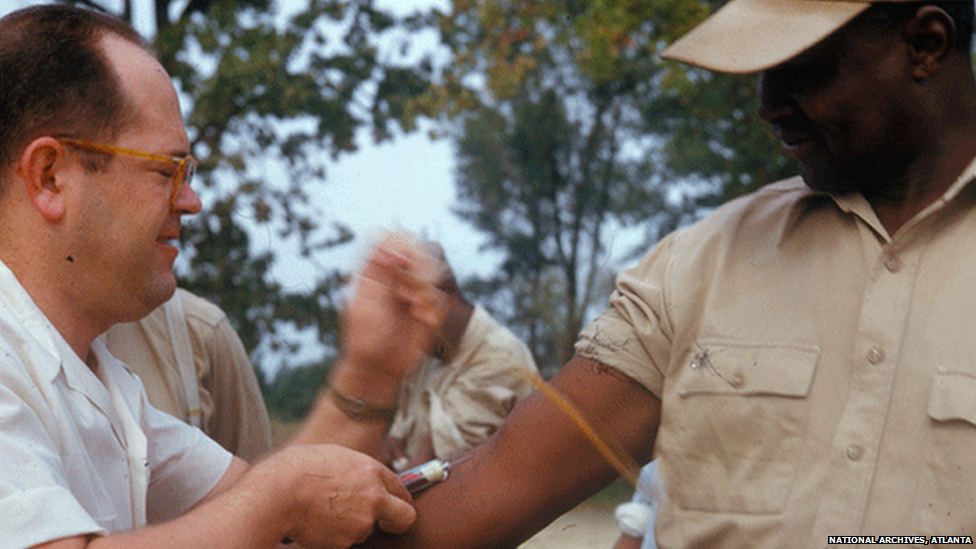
{"points": [[66, 449]]}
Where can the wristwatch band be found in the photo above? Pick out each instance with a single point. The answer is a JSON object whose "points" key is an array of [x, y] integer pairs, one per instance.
{"points": [[358, 410]]}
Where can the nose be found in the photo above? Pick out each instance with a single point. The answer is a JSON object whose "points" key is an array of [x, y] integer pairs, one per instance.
{"points": [[187, 201], [775, 99]]}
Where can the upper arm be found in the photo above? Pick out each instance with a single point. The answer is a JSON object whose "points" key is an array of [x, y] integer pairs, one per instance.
{"points": [[234, 472], [74, 542], [539, 464]]}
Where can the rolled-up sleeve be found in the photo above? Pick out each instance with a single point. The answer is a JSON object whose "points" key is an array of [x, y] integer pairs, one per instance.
{"points": [[634, 335]]}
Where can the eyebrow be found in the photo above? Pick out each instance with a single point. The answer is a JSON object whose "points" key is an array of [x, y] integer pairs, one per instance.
{"points": [[176, 153]]}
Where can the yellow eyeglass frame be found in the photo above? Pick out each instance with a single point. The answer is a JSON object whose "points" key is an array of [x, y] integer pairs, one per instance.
{"points": [[186, 165]]}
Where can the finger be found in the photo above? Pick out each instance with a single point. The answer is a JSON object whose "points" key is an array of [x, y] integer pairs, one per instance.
{"points": [[395, 516], [364, 535], [394, 486], [396, 513], [384, 267]]}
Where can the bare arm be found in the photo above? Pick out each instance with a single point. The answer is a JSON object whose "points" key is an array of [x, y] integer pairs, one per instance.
{"points": [[386, 330], [537, 467]]}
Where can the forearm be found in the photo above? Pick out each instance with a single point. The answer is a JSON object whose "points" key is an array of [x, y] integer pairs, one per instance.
{"points": [[386, 330], [537, 467], [238, 516], [327, 424]]}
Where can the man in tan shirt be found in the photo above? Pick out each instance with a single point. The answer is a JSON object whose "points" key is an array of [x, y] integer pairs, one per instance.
{"points": [[801, 362], [465, 389], [194, 366]]}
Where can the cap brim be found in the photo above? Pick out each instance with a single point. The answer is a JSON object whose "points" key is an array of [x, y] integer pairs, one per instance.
{"points": [[747, 36]]}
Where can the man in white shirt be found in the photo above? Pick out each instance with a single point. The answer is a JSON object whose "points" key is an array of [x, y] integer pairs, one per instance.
{"points": [[94, 167]]}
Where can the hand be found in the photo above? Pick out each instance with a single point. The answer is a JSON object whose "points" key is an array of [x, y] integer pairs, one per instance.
{"points": [[338, 496], [395, 311]]}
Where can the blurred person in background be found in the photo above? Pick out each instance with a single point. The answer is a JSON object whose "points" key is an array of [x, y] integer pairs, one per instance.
{"points": [[466, 388], [455, 398], [194, 367]]}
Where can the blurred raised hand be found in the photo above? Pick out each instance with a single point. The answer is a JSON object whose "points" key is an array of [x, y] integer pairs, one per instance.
{"points": [[387, 327], [395, 310]]}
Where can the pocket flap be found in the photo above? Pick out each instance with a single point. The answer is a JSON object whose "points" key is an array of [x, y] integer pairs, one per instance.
{"points": [[953, 396], [749, 368]]}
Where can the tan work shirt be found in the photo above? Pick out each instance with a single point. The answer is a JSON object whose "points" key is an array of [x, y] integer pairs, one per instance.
{"points": [[817, 376], [461, 403], [233, 410]]}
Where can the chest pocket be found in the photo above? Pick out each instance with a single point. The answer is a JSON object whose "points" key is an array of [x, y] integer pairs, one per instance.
{"points": [[739, 420], [953, 397]]}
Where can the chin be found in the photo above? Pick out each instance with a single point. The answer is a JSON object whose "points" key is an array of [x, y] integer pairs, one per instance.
{"points": [[160, 291], [828, 181]]}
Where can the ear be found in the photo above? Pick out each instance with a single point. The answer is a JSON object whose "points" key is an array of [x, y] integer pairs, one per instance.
{"points": [[41, 167], [931, 37]]}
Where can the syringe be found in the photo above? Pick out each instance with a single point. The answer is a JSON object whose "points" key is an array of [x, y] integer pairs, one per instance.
{"points": [[427, 474]]}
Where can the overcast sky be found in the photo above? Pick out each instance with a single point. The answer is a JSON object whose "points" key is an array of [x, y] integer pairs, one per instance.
{"points": [[406, 183]]}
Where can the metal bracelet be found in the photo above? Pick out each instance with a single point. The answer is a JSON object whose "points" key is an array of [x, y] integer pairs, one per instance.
{"points": [[358, 410]]}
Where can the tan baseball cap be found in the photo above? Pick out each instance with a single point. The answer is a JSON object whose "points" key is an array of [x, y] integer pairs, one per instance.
{"points": [[747, 36]]}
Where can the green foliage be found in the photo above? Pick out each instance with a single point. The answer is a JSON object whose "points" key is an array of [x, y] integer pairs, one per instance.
{"points": [[292, 392], [714, 135], [571, 125], [545, 168], [270, 101]]}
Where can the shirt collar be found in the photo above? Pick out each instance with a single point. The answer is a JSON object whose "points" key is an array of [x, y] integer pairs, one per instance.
{"points": [[36, 332], [857, 205]]}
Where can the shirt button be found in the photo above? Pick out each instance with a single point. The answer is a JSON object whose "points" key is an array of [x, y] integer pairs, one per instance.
{"points": [[875, 355], [892, 263], [854, 452]]}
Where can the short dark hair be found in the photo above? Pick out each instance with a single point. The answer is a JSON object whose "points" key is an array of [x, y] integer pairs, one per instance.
{"points": [[55, 78], [961, 11]]}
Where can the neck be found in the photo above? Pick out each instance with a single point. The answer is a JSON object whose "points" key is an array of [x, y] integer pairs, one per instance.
{"points": [[897, 202], [951, 149], [66, 314]]}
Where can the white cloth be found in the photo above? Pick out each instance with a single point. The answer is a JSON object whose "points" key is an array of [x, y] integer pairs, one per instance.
{"points": [[637, 516], [66, 451]]}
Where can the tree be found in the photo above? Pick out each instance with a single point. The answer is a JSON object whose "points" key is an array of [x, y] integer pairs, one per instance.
{"points": [[552, 152], [571, 125], [269, 102], [713, 134]]}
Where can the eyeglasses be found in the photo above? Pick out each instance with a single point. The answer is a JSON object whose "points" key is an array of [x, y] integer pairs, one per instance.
{"points": [[186, 166]]}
